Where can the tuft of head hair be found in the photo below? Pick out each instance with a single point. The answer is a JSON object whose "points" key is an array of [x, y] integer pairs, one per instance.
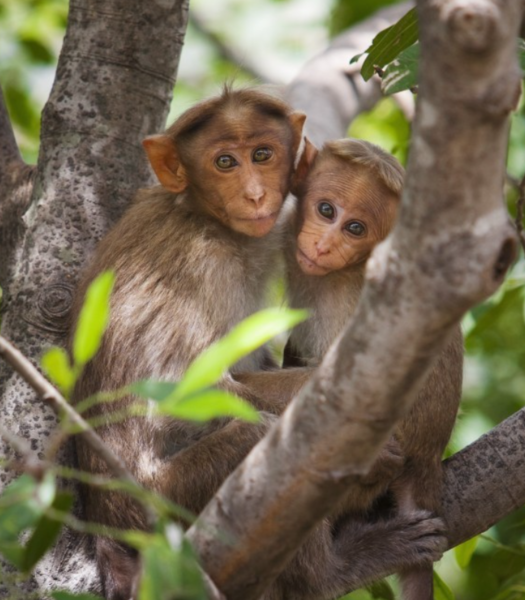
{"points": [[359, 152], [229, 101]]}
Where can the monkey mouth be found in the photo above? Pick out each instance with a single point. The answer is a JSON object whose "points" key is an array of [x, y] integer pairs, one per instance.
{"points": [[308, 264], [261, 219]]}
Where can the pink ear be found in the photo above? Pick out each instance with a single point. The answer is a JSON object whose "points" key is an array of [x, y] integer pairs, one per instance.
{"points": [[164, 160], [303, 167]]}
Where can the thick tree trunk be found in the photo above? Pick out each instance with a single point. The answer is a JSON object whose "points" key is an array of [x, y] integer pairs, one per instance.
{"points": [[450, 249], [113, 87]]}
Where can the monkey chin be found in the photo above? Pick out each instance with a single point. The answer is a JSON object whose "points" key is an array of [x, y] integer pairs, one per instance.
{"points": [[308, 266], [258, 227]]}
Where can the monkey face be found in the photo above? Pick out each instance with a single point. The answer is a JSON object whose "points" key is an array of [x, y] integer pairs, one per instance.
{"points": [[345, 212], [244, 174]]}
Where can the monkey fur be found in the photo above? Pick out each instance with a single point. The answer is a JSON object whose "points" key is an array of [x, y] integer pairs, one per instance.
{"points": [[347, 204], [192, 258]]}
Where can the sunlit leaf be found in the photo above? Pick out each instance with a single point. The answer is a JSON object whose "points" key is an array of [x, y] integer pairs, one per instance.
{"points": [[390, 42], [441, 589], [56, 365], [45, 533], [170, 568], [401, 74], [93, 319], [208, 405], [154, 390], [465, 551], [244, 338], [21, 506]]}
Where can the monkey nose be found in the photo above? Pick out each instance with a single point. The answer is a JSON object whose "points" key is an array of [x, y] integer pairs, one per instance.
{"points": [[322, 249], [255, 196]]}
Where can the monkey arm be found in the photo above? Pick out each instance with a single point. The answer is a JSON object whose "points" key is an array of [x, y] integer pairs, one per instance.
{"points": [[271, 390], [191, 477]]}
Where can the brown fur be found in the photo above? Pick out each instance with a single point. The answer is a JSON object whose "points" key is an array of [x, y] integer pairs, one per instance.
{"points": [[192, 258], [328, 280]]}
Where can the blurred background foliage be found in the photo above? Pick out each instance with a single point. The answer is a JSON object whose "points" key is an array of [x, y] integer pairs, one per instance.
{"points": [[269, 41]]}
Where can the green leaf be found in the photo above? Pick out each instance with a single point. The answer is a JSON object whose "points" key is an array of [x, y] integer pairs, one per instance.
{"points": [[381, 590], [93, 319], [247, 336], [441, 589], [208, 405], [18, 509], [390, 42], [70, 596], [57, 367], [170, 568], [401, 74], [464, 552], [154, 390], [46, 532], [21, 506]]}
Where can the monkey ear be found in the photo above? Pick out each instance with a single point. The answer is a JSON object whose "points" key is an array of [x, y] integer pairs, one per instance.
{"points": [[297, 120], [306, 160], [164, 160]]}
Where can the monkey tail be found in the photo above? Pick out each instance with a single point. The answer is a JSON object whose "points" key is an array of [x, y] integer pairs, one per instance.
{"points": [[417, 583]]}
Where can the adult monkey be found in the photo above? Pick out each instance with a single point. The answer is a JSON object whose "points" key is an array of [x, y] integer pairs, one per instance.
{"points": [[192, 259], [347, 204]]}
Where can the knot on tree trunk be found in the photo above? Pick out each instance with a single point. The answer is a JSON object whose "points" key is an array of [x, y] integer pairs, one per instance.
{"points": [[473, 24], [54, 304]]}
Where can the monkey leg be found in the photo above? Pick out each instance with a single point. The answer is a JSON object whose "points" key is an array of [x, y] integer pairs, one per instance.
{"points": [[373, 550], [271, 390], [189, 478], [362, 494]]}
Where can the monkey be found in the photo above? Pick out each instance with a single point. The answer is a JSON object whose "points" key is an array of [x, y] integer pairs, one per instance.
{"points": [[192, 257], [348, 200]]}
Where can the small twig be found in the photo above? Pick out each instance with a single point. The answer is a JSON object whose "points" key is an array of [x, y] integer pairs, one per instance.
{"points": [[227, 52], [61, 407]]}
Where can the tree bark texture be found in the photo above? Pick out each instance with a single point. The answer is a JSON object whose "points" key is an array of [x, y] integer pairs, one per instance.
{"points": [[449, 250], [113, 87]]}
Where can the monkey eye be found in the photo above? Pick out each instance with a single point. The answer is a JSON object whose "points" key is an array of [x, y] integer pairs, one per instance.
{"points": [[225, 161], [326, 210], [355, 228], [262, 154]]}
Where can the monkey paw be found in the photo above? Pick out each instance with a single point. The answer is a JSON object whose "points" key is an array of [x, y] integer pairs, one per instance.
{"points": [[424, 536]]}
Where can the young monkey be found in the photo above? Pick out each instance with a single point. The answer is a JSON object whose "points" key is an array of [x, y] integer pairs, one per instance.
{"points": [[347, 204], [192, 258]]}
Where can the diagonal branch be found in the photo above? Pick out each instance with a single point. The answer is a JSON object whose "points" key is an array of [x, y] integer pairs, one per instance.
{"points": [[228, 52], [419, 283], [61, 407]]}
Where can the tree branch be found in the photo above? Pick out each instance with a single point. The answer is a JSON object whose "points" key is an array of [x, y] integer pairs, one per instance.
{"points": [[330, 90], [227, 52], [60, 405], [419, 283]]}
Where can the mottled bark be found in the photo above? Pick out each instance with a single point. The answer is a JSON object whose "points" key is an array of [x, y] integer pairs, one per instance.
{"points": [[438, 262], [113, 87]]}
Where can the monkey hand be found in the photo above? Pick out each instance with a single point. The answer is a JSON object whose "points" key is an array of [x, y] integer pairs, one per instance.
{"points": [[376, 549]]}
